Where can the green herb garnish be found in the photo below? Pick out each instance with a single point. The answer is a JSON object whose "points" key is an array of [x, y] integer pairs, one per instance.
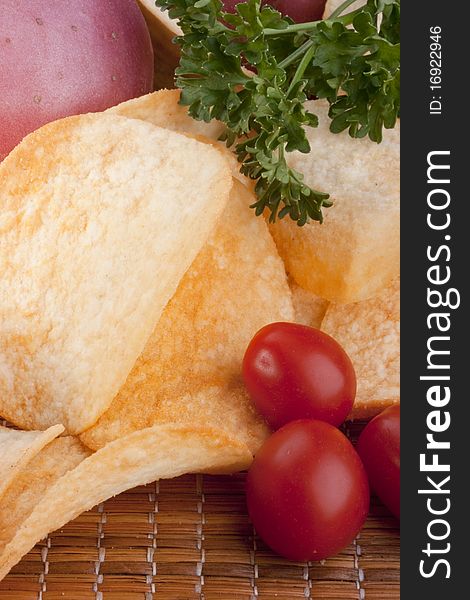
{"points": [[352, 60]]}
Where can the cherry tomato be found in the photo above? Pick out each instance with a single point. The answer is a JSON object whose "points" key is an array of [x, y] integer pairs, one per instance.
{"points": [[307, 491], [300, 11], [294, 372], [379, 449]]}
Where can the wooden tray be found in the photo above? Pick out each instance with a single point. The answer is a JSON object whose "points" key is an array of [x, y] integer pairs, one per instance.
{"points": [[190, 538]]}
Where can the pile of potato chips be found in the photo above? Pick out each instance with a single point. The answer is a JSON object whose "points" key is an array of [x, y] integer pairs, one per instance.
{"points": [[133, 276]]}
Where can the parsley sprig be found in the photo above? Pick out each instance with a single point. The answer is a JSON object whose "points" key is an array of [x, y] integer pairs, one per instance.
{"points": [[255, 69]]}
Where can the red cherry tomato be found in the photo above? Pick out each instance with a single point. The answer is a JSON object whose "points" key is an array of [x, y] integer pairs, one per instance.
{"points": [[379, 448], [307, 491], [294, 372]]}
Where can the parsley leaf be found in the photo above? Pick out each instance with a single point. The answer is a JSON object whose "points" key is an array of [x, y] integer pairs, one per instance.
{"points": [[255, 69]]}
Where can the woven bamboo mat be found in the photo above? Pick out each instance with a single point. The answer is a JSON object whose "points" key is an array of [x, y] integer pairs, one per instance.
{"points": [[190, 538]]}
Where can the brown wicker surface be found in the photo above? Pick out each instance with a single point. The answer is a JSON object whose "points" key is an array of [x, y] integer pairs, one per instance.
{"points": [[190, 538]]}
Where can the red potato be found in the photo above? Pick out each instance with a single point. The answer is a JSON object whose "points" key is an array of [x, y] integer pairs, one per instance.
{"points": [[61, 58], [300, 11]]}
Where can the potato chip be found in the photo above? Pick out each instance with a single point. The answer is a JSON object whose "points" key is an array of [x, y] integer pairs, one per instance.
{"points": [[332, 5], [162, 108], [356, 251], [369, 331], [162, 451], [18, 448], [190, 370], [101, 216], [309, 309], [34, 480]]}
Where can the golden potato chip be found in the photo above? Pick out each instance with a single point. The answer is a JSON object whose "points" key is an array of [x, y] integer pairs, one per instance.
{"points": [[101, 216], [162, 108], [190, 369], [356, 251], [34, 480], [369, 331], [309, 309], [162, 451], [18, 448], [332, 5]]}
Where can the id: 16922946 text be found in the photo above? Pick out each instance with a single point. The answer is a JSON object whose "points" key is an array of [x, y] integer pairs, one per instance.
{"points": [[435, 69]]}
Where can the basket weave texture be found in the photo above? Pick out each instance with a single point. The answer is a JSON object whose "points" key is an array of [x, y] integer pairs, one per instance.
{"points": [[190, 538]]}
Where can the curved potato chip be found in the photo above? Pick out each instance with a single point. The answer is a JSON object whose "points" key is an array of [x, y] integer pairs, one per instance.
{"points": [[355, 253], [369, 331], [159, 452], [190, 370], [17, 448], [309, 309], [332, 5], [101, 216], [162, 108], [34, 480]]}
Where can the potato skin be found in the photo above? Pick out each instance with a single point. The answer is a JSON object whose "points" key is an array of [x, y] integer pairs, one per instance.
{"points": [[61, 58]]}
